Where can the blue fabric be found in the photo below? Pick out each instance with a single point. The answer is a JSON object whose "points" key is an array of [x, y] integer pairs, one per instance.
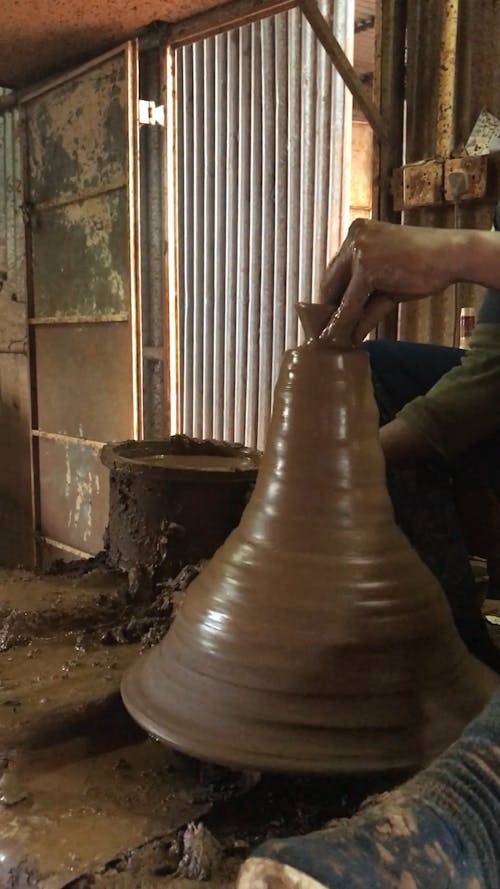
{"points": [[442, 829], [407, 370]]}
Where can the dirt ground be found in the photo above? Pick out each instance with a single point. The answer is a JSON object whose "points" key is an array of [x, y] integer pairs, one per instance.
{"points": [[87, 801]]}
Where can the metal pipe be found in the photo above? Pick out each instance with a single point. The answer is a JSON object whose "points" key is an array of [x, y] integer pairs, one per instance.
{"points": [[446, 90]]}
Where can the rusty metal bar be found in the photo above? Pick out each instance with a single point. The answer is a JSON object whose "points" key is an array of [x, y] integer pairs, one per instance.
{"points": [[223, 18], [446, 90], [119, 317], [66, 200], [342, 64]]}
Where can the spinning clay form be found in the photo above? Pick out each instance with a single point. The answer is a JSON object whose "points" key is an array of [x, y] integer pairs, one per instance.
{"points": [[315, 640]]}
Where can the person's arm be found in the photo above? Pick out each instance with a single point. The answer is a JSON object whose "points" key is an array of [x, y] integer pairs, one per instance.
{"points": [[381, 264], [463, 407], [403, 445]]}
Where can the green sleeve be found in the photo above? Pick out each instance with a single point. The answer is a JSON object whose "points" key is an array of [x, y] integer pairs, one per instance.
{"points": [[464, 406]]}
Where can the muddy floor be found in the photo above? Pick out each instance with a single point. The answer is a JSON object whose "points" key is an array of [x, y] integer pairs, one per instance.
{"points": [[87, 801]]}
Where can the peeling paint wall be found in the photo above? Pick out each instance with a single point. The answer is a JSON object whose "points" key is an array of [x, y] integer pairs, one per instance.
{"points": [[82, 251], [16, 526]]}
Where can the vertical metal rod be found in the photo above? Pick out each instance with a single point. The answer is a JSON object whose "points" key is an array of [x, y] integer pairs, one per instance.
{"points": [[293, 233], [322, 140], [207, 294], [244, 203], [280, 50], [341, 136], [255, 230], [267, 320], [231, 280], [446, 89], [307, 163], [171, 345], [186, 294], [198, 245], [36, 504], [221, 256], [132, 63], [344, 29]]}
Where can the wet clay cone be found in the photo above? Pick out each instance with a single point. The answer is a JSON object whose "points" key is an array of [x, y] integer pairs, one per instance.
{"points": [[315, 639]]}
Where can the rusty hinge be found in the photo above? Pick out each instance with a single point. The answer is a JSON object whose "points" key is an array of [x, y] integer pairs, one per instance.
{"points": [[151, 114]]}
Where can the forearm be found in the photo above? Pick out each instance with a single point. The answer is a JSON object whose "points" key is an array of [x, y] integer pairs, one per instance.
{"points": [[402, 445], [475, 258]]}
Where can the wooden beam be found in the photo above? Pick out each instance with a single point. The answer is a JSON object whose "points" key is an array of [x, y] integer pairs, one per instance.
{"points": [[223, 18], [338, 57]]}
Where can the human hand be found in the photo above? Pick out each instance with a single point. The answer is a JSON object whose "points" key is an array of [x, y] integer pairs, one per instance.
{"points": [[379, 265]]}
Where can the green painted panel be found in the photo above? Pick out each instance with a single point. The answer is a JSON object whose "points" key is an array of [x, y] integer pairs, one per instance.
{"points": [[77, 132], [81, 260]]}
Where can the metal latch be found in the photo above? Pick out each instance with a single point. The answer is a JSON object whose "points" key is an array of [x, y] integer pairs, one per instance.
{"points": [[151, 114]]}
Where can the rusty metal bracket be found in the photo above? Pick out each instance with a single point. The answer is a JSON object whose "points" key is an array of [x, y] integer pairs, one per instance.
{"points": [[418, 185], [428, 183], [338, 57]]}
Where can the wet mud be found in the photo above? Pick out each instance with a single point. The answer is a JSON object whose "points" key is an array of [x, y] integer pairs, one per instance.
{"points": [[87, 801], [173, 503]]}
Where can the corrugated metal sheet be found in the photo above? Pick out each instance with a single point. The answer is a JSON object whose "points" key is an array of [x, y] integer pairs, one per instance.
{"points": [[263, 201], [477, 85]]}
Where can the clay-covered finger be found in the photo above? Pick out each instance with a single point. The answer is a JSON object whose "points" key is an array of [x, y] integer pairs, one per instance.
{"points": [[335, 279]]}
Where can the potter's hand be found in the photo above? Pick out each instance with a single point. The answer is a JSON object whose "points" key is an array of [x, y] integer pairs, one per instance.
{"points": [[380, 265]]}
